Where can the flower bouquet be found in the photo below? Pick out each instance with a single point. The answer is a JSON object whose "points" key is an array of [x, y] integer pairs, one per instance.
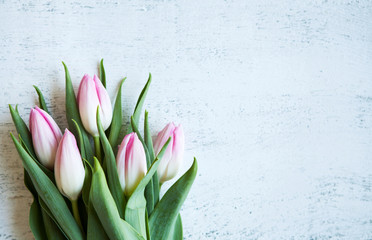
{"points": [[84, 185]]}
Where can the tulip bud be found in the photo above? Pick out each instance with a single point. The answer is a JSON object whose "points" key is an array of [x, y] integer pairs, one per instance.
{"points": [[90, 95], [68, 168], [173, 156], [45, 136], [131, 163]]}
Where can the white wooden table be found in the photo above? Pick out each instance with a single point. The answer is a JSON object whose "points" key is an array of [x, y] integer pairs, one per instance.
{"points": [[275, 98]]}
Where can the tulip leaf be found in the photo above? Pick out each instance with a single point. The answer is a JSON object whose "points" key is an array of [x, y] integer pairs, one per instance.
{"points": [[112, 172], [25, 138], [176, 232], [49, 193], [28, 183], [80, 139], [35, 215], [105, 207], [165, 213], [148, 140], [148, 236], [135, 212], [140, 102], [95, 229], [150, 148], [117, 118], [49, 173], [22, 130], [149, 192], [35, 218], [36, 221], [87, 183], [102, 73], [50, 214], [41, 100], [51, 228], [72, 112]]}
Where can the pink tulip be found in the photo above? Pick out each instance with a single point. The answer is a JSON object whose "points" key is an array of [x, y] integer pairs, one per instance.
{"points": [[68, 168], [45, 136], [172, 159], [90, 95], [131, 163]]}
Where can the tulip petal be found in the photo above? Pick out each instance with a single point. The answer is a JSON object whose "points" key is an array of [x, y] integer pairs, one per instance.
{"points": [[120, 159], [49, 193], [175, 162], [104, 102], [52, 124], [163, 136], [72, 112], [135, 212], [173, 157], [69, 169], [135, 164], [45, 139], [88, 102], [92, 94]]}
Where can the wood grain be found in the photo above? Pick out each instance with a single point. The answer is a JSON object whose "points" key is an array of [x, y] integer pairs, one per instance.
{"points": [[275, 99]]}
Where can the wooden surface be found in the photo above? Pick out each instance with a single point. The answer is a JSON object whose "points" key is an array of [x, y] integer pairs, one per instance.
{"points": [[275, 98]]}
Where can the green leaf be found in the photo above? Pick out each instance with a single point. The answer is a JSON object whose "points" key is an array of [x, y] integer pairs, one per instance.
{"points": [[148, 236], [49, 173], [148, 140], [95, 228], [117, 118], [102, 74], [22, 130], [28, 183], [36, 221], [150, 148], [176, 232], [41, 100], [105, 207], [112, 172], [46, 210], [166, 211], [35, 216], [140, 102], [149, 192], [87, 183], [49, 194], [135, 212], [80, 139], [72, 112], [51, 228]]}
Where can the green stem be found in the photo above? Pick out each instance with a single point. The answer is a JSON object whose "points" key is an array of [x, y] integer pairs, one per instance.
{"points": [[97, 146], [75, 212]]}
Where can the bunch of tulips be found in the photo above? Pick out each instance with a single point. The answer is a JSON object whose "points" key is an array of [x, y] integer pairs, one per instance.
{"points": [[85, 185]]}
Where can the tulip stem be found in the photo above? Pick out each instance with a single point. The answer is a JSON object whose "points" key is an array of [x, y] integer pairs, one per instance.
{"points": [[97, 146], [75, 212]]}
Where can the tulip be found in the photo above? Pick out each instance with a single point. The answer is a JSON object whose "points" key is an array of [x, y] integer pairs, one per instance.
{"points": [[45, 136], [173, 156], [131, 163], [68, 168], [92, 94]]}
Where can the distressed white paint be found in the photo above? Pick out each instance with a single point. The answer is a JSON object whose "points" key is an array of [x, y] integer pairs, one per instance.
{"points": [[275, 98]]}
